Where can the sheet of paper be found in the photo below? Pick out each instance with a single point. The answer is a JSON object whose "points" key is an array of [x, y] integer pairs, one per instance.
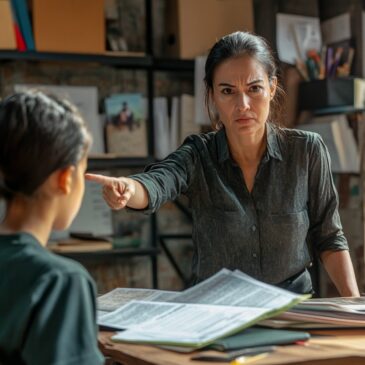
{"points": [[336, 29], [94, 216], [135, 313], [201, 115], [188, 323], [85, 98], [120, 296], [174, 123], [235, 289], [295, 35]]}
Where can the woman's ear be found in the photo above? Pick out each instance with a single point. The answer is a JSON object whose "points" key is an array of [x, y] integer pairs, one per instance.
{"points": [[65, 179], [273, 85]]}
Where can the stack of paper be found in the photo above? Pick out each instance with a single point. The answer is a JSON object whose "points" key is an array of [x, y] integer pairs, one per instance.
{"points": [[217, 307], [323, 313]]}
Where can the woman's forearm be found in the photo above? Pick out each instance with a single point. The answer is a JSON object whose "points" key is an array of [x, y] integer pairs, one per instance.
{"points": [[339, 268], [139, 200]]}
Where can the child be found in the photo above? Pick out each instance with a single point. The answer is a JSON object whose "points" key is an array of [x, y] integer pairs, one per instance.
{"points": [[47, 303]]}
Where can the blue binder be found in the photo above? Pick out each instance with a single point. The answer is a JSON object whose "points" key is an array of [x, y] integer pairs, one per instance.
{"points": [[22, 15]]}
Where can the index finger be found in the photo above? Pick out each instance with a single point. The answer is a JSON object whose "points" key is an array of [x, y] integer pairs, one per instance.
{"points": [[100, 179]]}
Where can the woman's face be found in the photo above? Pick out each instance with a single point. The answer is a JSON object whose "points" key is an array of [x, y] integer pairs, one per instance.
{"points": [[241, 94]]}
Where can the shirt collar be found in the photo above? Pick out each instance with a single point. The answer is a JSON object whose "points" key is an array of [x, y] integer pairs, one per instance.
{"points": [[223, 153], [273, 147]]}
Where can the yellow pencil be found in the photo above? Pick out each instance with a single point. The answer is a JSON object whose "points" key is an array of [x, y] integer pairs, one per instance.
{"points": [[243, 360]]}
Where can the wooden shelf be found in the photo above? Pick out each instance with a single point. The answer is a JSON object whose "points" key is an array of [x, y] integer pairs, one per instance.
{"points": [[120, 59], [107, 162], [113, 253], [343, 109], [141, 62]]}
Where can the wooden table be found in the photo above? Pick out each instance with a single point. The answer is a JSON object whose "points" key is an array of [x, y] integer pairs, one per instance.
{"points": [[334, 347]]}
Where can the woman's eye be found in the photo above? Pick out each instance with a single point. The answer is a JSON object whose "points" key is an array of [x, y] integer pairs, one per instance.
{"points": [[256, 88], [227, 90]]}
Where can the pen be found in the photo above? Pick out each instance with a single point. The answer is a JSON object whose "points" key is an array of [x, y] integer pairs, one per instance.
{"points": [[335, 62], [243, 360], [229, 356], [329, 61]]}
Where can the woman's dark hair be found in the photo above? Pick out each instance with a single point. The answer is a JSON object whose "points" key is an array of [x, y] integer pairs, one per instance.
{"points": [[39, 134], [240, 44]]}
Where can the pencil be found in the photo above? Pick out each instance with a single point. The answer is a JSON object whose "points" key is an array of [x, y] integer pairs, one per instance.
{"points": [[243, 360]]}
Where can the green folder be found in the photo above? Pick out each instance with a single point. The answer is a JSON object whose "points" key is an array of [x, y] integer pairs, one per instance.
{"points": [[256, 336]]}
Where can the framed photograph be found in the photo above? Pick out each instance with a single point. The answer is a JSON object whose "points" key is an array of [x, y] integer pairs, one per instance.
{"points": [[126, 133]]}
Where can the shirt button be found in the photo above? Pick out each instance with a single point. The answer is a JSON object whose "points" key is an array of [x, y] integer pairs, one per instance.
{"points": [[254, 255], [254, 228]]}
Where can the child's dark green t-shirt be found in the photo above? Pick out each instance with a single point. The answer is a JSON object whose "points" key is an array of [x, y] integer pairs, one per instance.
{"points": [[47, 306]]}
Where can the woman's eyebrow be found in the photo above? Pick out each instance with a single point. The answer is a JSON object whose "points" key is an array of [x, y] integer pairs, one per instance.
{"points": [[225, 84], [255, 81]]}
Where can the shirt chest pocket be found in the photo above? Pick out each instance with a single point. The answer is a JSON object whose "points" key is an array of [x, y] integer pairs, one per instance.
{"points": [[289, 228], [299, 218]]}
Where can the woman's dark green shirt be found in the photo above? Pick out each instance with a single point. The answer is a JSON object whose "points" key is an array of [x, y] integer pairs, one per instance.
{"points": [[268, 233], [47, 307]]}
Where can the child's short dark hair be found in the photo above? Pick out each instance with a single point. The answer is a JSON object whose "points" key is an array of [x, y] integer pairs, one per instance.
{"points": [[39, 134]]}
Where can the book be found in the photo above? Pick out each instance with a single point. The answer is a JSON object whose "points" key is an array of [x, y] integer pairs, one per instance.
{"points": [[174, 123], [222, 305], [187, 114], [22, 15], [19, 39], [161, 127], [258, 336], [20, 42], [126, 132]]}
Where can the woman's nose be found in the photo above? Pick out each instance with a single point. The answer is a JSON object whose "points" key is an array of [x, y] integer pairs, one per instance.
{"points": [[243, 101]]}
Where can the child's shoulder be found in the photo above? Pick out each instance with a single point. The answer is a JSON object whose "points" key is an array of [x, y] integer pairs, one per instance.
{"points": [[24, 252]]}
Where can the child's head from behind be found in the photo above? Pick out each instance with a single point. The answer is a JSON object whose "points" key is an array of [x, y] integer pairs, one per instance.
{"points": [[43, 148]]}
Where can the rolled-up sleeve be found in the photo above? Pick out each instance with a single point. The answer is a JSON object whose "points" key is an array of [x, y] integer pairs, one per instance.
{"points": [[167, 179], [325, 232]]}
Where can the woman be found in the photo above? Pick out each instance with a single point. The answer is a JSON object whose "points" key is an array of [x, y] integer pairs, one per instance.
{"points": [[262, 197], [47, 303]]}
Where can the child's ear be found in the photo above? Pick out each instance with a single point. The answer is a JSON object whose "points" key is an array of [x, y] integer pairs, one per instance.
{"points": [[64, 179]]}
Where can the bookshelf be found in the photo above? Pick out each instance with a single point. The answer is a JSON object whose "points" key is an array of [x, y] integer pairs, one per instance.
{"points": [[147, 62]]}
